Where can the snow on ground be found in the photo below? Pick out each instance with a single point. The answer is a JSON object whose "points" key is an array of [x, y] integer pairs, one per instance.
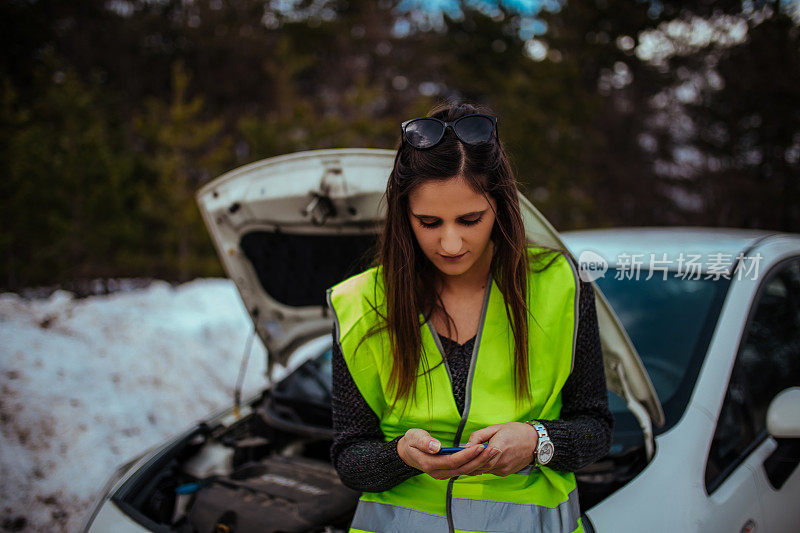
{"points": [[86, 384]]}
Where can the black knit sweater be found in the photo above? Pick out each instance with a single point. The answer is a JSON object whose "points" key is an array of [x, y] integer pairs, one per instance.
{"points": [[582, 434]]}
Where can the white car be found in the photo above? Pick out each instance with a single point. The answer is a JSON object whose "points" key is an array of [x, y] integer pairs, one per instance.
{"points": [[701, 342]]}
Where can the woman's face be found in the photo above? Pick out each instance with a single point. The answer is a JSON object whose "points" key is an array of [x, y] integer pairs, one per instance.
{"points": [[452, 224]]}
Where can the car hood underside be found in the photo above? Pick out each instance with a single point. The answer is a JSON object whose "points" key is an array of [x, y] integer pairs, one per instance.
{"points": [[289, 227]]}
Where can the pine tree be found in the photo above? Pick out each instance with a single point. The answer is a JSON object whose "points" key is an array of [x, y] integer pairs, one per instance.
{"points": [[183, 151]]}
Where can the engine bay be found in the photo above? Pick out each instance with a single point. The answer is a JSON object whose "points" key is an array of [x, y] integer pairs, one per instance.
{"points": [[270, 471]]}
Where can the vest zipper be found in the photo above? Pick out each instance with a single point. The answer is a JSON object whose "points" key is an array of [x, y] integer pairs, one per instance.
{"points": [[467, 393]]}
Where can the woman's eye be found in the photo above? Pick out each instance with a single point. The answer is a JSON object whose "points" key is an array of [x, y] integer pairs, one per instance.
{"points": [[471, 222], [429, 224]]}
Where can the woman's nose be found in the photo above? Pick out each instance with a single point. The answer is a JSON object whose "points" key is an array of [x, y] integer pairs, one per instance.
{"points": [[451, 241]]}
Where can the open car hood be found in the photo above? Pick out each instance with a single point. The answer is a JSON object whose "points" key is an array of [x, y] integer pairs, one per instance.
{"points": [[288, 227]]}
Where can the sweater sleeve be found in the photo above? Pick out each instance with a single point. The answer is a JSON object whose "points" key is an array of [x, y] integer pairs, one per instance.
{"points": [[582, 434], [360, 455]]}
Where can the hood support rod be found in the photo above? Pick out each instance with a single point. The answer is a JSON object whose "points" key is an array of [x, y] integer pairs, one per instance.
{"points": [[639, 412]]}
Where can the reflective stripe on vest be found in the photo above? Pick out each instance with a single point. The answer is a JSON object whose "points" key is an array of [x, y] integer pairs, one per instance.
{"points": [[471, 515], [524, 502]]}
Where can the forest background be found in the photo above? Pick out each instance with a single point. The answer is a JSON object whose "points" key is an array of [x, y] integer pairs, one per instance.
{"points": [[616, 112]]}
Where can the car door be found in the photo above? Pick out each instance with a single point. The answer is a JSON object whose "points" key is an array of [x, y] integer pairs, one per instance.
{"points": [[744, 463]]}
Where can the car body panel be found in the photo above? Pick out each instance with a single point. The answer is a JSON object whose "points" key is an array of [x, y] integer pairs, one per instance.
{"points": [[285, 193], [667, 244], [111, 519], [671, 242], [282, 194], [780, 509], [745, 497], [676, 474]]}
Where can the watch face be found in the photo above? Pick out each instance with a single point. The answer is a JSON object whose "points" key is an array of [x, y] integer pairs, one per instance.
{"points": [[546, 453]]}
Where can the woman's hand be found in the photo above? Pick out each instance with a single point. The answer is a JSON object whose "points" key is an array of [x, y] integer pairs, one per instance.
{"points": [[516, 443], [418, 449]]}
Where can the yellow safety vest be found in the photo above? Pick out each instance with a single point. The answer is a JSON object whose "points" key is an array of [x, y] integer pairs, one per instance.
{"points": [[534, 499]]}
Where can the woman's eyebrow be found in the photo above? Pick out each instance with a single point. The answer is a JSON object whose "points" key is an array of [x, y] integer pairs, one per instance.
{"points": [[474, 213], [470, 214]]}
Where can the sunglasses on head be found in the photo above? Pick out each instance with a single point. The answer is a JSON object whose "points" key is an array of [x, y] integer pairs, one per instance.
{"points": [[426, 132]]}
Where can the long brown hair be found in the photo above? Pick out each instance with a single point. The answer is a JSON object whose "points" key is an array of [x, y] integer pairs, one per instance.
{"points": [[410, 279]]}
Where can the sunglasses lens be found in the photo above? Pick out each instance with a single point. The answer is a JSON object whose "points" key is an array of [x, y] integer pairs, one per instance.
{"points": [[473, 130], [424, 133]]}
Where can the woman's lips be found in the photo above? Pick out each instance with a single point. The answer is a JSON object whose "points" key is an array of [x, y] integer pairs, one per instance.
{"points": [[452, 258]]}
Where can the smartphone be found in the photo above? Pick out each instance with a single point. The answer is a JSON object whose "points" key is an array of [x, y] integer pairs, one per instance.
{"points": [[447, 450]]}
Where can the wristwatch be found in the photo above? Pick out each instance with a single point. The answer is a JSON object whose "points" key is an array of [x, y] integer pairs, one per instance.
{"points": [[544, 449]]}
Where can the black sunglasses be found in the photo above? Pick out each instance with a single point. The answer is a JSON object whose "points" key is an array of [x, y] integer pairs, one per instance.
{"points": [[426, 132]]}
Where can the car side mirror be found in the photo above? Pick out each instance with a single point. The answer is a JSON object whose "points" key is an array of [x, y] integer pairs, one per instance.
{"points": [[783, 414]]}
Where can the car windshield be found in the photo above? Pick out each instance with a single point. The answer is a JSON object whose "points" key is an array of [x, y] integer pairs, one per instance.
{"points": [[670, 322]]}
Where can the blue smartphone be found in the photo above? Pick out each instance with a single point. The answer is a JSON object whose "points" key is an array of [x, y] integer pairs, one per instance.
{"points": [[447, 450]]}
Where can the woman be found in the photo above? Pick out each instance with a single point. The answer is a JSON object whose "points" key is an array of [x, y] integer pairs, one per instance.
{"points": [[462, 335]]}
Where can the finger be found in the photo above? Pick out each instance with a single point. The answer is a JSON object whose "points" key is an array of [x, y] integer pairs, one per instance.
{"points": [[481, 458], [431, 462], [465, 468], [488, 466], [422, 441], [459, 459], [482, 435], [442, 474], [447, 473], [454, 461], [499, 466], [507, 465], [482, 462]]}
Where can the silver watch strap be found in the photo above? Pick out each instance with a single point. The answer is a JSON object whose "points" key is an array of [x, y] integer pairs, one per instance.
{"points": [[544, 442]]}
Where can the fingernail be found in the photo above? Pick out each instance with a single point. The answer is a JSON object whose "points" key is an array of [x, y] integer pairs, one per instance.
{"points": [[433, 446], [493, 452]]}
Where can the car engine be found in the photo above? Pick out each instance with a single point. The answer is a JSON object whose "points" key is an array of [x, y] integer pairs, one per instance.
{"points": [[269, 470]]}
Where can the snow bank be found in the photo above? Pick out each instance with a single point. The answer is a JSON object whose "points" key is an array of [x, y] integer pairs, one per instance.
{"points": [[87, 384]]}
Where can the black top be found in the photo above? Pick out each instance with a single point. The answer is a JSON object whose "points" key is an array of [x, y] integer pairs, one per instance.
{"points": [[582, 434]]}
